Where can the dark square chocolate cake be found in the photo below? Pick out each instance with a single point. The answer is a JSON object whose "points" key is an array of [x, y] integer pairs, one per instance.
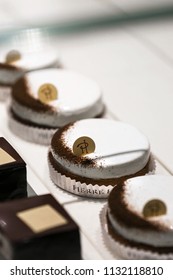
{"points": [[13, 182], [38, 228]]}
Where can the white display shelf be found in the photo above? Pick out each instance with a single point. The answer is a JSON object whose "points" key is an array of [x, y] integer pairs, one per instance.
{"points": [[136, 80], [85, 211]]}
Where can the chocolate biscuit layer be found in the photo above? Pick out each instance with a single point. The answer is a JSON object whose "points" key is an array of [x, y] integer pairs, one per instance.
{"points": [[32, 124], [29, 123], [118, 238], [89, 164]]}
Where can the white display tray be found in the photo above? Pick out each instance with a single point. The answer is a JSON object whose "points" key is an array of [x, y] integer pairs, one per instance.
{"points": [[85, 211]]}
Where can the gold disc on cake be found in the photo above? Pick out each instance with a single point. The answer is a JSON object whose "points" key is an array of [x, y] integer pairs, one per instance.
{"points": [[12, 56], [47, 93], [83, 145], [154, 207]]}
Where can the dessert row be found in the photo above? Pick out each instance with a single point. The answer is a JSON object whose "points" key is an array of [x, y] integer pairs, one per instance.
{"points": [[87, 155]]}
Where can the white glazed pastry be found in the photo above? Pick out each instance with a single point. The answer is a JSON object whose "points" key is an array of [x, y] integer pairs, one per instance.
{"points": [[120, 150], [141, 213], [76, 97], [14, 64], [33, 60]]}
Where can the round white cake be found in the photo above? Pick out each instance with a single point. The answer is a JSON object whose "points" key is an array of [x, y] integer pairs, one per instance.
{"points": [[140, 190], [141, 212], [45, 100], [33, 60], [78, 97], [10, 72], [120, 150]]}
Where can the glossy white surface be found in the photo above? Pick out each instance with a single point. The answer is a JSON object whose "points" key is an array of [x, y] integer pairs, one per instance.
{"points": [[33, 60], [120, 149], [152, 187], [78, 97]]}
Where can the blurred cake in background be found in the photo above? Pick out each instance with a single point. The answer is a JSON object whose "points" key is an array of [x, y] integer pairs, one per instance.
{"points": [[15, 63], [46, 100]]}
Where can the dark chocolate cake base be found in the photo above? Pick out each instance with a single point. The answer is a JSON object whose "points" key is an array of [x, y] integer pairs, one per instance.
{"points": [[139, 246], [32, 124], [113, 181], [29, 123]]}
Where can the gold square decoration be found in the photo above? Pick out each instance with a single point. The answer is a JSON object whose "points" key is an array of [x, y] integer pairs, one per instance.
{"points": [[41, 218], [5, 157]]}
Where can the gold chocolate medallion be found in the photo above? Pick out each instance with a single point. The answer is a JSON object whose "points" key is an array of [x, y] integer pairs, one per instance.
{"points": [[83, 145], [47, 93], [154, 207], [12, 56]]}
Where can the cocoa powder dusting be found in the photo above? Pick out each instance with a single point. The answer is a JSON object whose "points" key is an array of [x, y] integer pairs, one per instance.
{"points": [[60, 148], [21, 92], [120, 211], [8, 67]]}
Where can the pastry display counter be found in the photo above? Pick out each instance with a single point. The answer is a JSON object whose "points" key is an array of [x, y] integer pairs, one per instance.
{"points": [[133, 66]]}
